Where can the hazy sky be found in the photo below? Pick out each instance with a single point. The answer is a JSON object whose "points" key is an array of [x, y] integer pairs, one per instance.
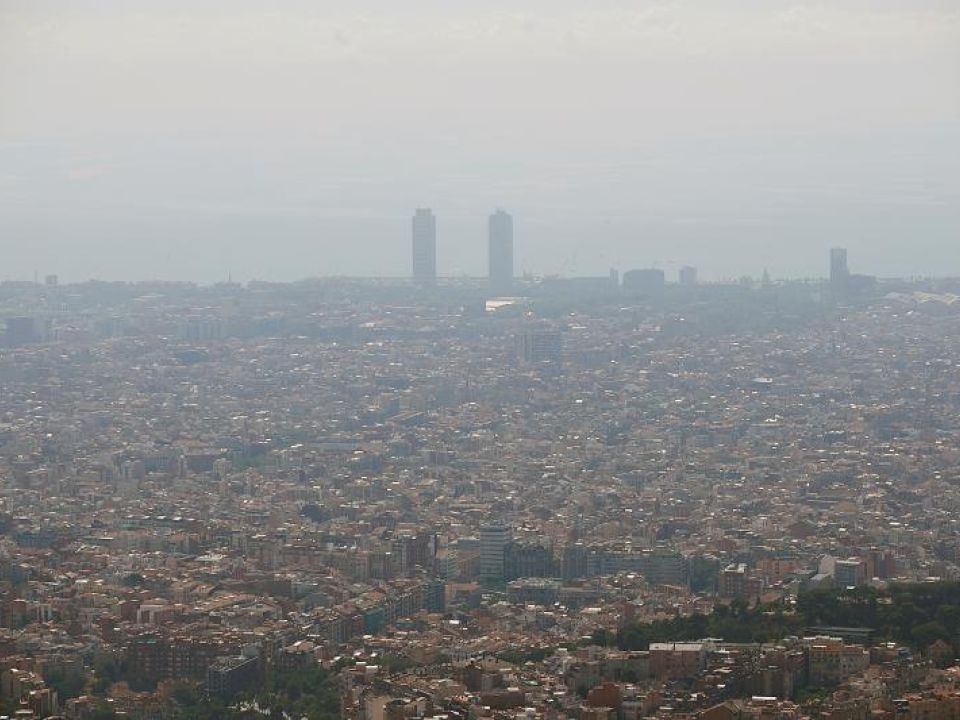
{"points": [[283, 139]]}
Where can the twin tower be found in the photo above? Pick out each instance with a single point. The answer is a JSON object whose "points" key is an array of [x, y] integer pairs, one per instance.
{"points": [[500, 249]]}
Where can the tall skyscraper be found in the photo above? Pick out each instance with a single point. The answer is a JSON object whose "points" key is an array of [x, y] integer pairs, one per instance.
{"points": [[839, 273], [493, 541], [501, 252], [424, 247]]}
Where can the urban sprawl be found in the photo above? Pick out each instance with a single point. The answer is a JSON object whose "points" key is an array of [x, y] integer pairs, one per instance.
{"points": [[606, 498]]}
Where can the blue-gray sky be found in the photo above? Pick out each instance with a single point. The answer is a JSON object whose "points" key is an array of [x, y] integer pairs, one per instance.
{"points": [[281, 139]]}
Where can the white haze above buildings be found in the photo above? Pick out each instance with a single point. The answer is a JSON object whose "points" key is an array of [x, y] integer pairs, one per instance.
{"points": [[284, 139]]}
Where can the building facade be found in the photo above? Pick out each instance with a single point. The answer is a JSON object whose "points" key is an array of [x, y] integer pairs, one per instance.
{"points": [[501, 251], [494, 539], [424, 247]]}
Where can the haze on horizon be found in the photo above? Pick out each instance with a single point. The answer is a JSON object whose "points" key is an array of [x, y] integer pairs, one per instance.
{"points": [[286, 139]]}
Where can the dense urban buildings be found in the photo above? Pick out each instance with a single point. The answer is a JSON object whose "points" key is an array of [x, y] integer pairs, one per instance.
{"points": [[583, 500]]}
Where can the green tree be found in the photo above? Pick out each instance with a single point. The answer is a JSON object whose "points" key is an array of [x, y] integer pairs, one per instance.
{"points": [[928, 633]]}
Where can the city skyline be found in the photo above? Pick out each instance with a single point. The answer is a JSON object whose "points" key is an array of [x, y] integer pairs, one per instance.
{"points": [[423, 266], [480, 360], [463, 238], [229, 490], [155, 140]]}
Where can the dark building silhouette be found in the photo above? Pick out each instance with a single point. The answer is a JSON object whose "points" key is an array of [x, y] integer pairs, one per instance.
{"points": [[494, 538], [688, 276], [522, 560], [839, 273], [649, 281], [424, 247], [21, 331], [501, 251], [413, 551], [228, 676]]}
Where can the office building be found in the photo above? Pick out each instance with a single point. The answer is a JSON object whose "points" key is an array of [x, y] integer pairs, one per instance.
{"points": [[733, 581], [494, 539], [228, 676], [675, 660], [649, 281], [424, 247], [501, 252], [839, 273], [534, 590], [850, 573], [688, 276], [526, 560], [539, 345]]}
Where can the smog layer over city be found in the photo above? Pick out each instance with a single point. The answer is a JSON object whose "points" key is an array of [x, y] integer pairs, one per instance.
{"points": [[474, 360]]}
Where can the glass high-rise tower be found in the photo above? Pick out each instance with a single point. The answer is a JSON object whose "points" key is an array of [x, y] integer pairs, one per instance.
{"points": [[501, 252], [839, 273], [424, 247]]}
